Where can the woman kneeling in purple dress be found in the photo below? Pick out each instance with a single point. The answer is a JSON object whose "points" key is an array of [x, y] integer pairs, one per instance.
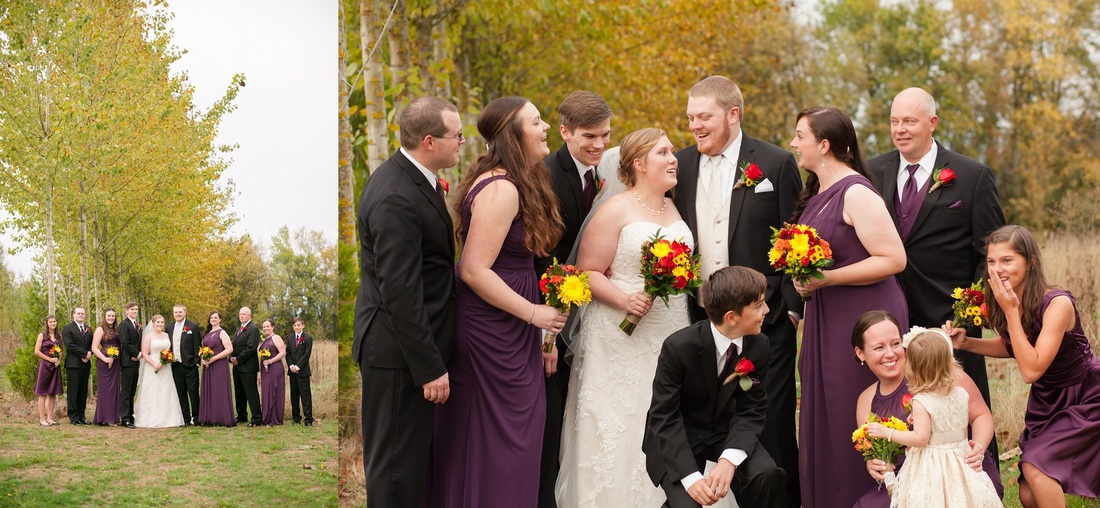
{"points": [[1040, 327]]}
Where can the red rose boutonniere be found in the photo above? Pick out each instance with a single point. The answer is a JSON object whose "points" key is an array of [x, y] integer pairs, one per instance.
{"points": [[943, 177], [741, 373], [300, 341], [243, 328], [599, 184], [186, 329], [750, 175], [907, 402], [445, 186]]}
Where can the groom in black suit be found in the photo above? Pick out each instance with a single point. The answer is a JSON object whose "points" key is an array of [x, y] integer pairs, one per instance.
{"points": [[186, 339], [405, 313], [246, 341], [701, 409], [732, 225], [77, 337], [129, 338], [586, 129], [943, 230]]}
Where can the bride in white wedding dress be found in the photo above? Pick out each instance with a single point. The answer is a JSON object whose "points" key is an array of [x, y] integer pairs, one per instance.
{"points": [[611, 382], [157, 404]]}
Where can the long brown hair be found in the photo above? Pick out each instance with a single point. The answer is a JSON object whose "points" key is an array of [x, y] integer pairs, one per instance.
{"points": [[46, 328], [827, 122], [108, 328], [538, 205], [1020, 240]]}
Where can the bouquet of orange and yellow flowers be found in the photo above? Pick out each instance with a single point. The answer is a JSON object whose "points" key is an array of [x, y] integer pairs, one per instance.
{"points": [[563, 286], [668, 268], [878, 448], [206, 353], [800, 252], [969, 306], [55, 351], [166, 358], [264, 353]]}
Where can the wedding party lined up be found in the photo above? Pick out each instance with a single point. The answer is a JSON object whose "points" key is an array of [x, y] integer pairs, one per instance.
{"points": [[599, 326], [173, 375]]}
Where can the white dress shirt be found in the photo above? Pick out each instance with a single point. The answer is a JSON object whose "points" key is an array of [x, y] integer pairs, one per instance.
{"points": [[432, 179], [922, 175]]}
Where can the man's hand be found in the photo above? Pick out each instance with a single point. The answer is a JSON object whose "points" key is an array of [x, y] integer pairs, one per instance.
{"points": [[233, 360], [438, 391], [550, 362], [294, 369], [720, 477], [701, 492]]}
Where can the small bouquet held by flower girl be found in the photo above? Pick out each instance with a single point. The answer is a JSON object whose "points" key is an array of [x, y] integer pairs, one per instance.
{"points": [[879, 448], [563, 286], [800, 253], [969, 306], [206, 353], [166, 358], [668, 268]]}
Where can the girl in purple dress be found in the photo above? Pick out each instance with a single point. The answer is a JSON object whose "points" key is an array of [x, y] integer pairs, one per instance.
{"points": [[1040, 327], [215, 394], [840, 201], [272, 377], [488, 436], [107, 373], [47, 386]]}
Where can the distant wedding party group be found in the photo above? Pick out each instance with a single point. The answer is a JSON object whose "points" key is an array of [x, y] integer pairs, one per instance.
{"points": [[149, 376], [615, 327]]}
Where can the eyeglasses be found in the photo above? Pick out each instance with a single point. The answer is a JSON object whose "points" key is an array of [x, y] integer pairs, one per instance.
{"points": [[460, 137]]}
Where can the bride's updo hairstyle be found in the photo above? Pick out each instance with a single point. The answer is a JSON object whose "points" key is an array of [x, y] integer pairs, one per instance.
{"points": [[156, 317], [635, 147], [500, 126]]}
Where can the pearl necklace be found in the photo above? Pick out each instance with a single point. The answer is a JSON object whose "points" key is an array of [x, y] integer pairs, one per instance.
{"points": [[648, 209]]}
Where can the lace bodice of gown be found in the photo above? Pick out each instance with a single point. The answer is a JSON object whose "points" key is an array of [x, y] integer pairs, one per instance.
{"points": [[949, 414], [626, 267]]}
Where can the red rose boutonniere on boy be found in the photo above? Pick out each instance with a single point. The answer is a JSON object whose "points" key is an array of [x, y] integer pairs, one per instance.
{"points": [[750, 175], [741, 373], [942, 177]]}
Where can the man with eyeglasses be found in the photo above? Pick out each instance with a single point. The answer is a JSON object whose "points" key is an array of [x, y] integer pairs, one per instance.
{"points": [[405, 311]]}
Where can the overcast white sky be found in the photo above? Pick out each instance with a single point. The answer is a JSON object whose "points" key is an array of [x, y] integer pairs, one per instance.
{"points": [[285, 122]]}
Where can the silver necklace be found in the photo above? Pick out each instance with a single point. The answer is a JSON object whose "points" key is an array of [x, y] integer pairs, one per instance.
{"points": [[664, 204]]}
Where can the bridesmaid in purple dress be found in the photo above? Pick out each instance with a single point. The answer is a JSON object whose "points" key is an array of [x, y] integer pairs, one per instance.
{"points": [[107, 373], [216, 396], [842, 204], [876, 340], [1040, 327], [47, 385], [272, 377], [488, 436]]}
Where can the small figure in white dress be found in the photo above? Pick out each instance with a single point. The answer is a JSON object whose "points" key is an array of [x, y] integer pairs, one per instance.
{"points": [[935, 472]]}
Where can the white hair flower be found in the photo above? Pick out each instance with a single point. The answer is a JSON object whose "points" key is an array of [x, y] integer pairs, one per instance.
{"points": [[917, 330]]}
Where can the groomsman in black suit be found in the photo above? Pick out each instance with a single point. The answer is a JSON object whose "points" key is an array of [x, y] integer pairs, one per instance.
{"points": [[298, 350], [700, 409], [405, 313], [732, 225], [586, 129], [246, 366], [186, 339], [77, 337], [944, 229], [129, 338]]}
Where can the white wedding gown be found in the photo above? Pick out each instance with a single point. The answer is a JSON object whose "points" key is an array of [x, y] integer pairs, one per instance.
{"points": [[611, 386], [157, 404]]}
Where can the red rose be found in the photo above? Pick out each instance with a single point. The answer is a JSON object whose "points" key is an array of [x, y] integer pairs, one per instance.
{"points": [[242, 328], [186, 329], [753, 172], [805, 261], [445, 186], [907, 402], [946, 176], [544, 285], [744, 367], [982, 308], [681, 282]]}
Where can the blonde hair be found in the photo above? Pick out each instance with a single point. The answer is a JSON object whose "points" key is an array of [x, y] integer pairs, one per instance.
{"points": [[930, 365], [636, 146]]}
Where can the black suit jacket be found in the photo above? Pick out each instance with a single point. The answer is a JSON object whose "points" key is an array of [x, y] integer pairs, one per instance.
{"points": [[77, 344], [245, 344], [569, 188], [299, 355], [752, 215], [693, 412], [404, 314], [190, 341], [946, 247], [129, 338]]}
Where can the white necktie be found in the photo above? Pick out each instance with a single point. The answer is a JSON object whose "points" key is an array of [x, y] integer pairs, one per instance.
{"points": [[714, 184]]}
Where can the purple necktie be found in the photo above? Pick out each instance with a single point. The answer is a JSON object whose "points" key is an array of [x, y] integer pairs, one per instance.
{"points": [[589, 188], [727, 368], [910, 202]]}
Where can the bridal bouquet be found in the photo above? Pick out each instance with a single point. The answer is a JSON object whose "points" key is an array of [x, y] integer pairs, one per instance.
{"points": [[969, 306], [55, 351], [264, 353], [878, 448], [166, 357], [206, 353], [668, 268], [800, 252], [563, 286]]}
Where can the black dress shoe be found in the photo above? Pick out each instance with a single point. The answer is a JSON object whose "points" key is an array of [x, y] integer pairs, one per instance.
{"points": [[186, 424], [308, 424], [85, 422], [128, 425], [250, 425]]}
